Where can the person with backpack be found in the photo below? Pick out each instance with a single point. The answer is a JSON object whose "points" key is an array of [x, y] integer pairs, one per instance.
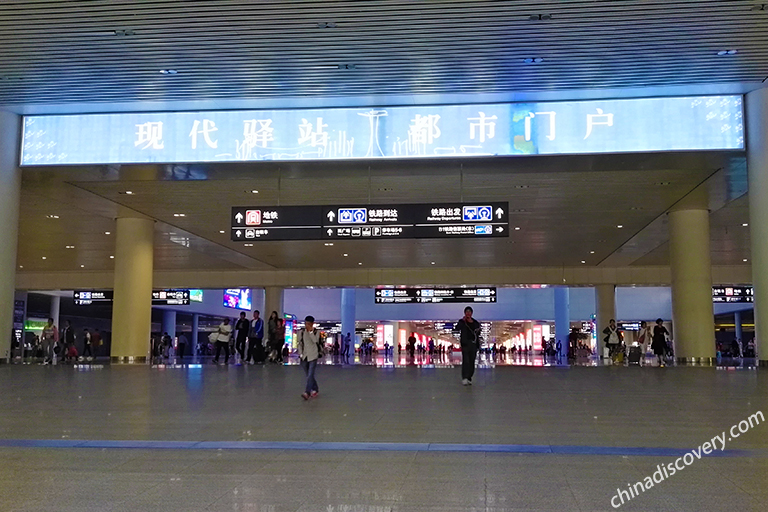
{"points": [[613, 338], [256, 340], [310, 350], [469, 338]]}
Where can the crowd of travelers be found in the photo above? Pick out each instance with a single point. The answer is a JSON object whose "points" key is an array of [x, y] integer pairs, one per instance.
{"points": [[53, 345]]}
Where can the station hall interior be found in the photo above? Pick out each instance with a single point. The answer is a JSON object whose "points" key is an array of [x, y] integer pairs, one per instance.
{"points": [[505, 255]]}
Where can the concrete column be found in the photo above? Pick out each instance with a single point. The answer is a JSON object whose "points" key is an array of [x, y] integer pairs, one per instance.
{"points": [[738, 327], [132, 307], [605, 310], [348, 315], [195, 330], [757, 167], [693, 320], [169, 322], [562, 317], [273, 301], [10, 185], [55, 310]]}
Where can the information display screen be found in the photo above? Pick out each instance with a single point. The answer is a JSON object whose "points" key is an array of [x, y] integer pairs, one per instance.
{"points": [[414, 131], [237, 298], [434, 295], [436, 220], [732, 294]]}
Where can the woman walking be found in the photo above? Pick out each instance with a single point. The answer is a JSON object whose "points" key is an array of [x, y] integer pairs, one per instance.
{"points": [[659, 344]]}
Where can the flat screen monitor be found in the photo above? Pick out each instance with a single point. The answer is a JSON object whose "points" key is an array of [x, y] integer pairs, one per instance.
{"points": [[237, 298]]}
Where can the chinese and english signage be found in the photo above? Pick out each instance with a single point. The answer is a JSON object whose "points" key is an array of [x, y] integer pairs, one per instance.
{"points": [[159, 297], [500, 129], [732, 294], [454, 220], [434, 295]]}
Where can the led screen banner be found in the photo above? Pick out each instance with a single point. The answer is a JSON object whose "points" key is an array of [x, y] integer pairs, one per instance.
{"points": [[501, 129]]}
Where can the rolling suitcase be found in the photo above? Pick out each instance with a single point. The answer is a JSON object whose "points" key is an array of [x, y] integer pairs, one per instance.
{"points": [[635, 354]]}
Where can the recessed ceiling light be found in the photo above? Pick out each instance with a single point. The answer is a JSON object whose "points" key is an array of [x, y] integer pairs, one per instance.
{"points": [[727, 52], [591, 252], [745, 224], [128, 193], [744, 260], [247, 245], [583, 261], [620, 226], [179, 214], [517, 228], [45, 258], [329, 244], [360, 263], [52, 216], [21, 266], [111, 257], [168, 71], [433, 262], [107, 233], [70, 247], [345, 255], [254, 191], [82, 266], [222, 231]]}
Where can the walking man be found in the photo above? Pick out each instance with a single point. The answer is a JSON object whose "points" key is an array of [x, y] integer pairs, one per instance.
{"points": [[469, 332], [243, 329], [309, 352], [256, 340]]}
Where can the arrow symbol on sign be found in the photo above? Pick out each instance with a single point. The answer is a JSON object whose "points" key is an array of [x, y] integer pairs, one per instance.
{"points": [[331, 216], [500, 213], [239, 217], [499, 229], [238, 233], [330, 232]]}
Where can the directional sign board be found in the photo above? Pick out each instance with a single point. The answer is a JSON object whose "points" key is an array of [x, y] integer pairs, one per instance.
{"points": [[276, 223], [170, 298], [732, 294], [452, 220], [88, 297], [434, 295], [159, 297]]}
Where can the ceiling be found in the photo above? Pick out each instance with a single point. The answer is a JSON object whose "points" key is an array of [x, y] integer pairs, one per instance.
{"points": [[108, 51], [107, 55], [568, 211]]}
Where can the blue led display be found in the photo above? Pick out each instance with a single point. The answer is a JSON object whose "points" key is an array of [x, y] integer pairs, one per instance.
{"points": [[508, 129]]}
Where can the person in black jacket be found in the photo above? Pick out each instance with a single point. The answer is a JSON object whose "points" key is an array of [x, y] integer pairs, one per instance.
{"points": [[469, 337], [242, 327]]}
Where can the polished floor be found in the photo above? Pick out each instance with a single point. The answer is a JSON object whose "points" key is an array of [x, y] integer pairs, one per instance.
{"points": [[232, 438]]}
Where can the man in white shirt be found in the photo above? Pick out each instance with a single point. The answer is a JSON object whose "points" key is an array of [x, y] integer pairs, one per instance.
{"points": [[222, 341]]}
